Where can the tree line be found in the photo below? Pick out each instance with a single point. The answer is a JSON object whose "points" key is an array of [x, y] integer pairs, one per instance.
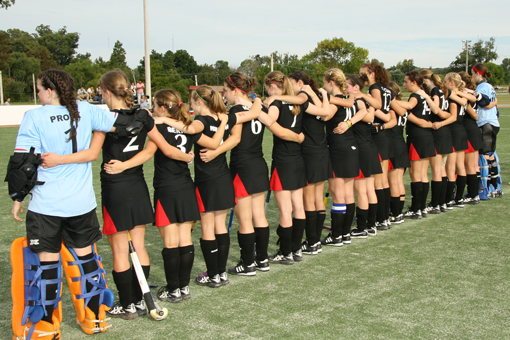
{"points": [[23, 54]]}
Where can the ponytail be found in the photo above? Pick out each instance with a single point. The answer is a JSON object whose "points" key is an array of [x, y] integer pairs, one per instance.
{"points": [[213, 99], [118, 84], [171, 102], [278, 78]]}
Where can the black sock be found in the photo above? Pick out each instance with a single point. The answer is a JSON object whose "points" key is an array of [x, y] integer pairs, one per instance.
{"points": [[424, 194], [395, 206], [89, 267], [210, 251], [361, 218], [350, 209], [461, 185], [223, 248], [493, 173], [123, 281], [472, 185], [311, 227], [444, 185], [298, 228], [337, 221], [372, 215], [436, 193], [450, 191], [187, 256], [51, 289], [171, 263], [416, 189], [402, 203], [262, 242], [387, 200], [285, 239], [380, 206], [247, 245], [137, 290], [321, 216]]}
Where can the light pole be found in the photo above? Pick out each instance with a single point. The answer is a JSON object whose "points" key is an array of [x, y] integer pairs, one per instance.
{"points": [[466, 47], [147, 51]]}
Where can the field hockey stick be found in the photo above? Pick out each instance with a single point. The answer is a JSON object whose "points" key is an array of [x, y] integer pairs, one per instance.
{"points": [[230, 220], [266, 205], [326, 203], [156, 313]]}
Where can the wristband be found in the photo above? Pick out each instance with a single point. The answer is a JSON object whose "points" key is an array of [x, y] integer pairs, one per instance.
{"points": [[349, 124], [192, 158]]}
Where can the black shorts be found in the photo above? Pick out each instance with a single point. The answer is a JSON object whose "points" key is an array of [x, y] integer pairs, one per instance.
{"points": [[399, 157], [217, 194], [443, 140], [345, 160], [45, 233], [250, 177], [421, 146], [317, 164], [369, 163], [289, 176], [459, 138], [474, 138], [125, 205], [489, 133], [383, 143], [175, 204]]}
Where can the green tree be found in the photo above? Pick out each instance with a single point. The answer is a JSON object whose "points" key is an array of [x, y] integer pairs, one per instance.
{"points": [[505, 64], [4, 49], [83, 71], [61, 44], [339, 53], [222, 71], [118, 56], [185, 64], [21, 67], [406, 66], [6, 3], [498, 73], [479, 52], [21, 41]]}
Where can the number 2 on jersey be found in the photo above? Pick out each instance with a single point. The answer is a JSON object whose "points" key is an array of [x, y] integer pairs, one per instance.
{"points": [[130, 146]]}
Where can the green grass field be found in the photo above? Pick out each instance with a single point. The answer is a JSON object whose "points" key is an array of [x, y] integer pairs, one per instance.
{"points": [[444, 277]]}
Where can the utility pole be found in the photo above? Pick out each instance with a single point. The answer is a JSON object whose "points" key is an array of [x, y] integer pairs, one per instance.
{"points": [[1, 89], [466, 47], [271, 62], [147, 51]]}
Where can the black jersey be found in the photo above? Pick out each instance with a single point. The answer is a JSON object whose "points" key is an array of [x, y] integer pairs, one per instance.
{"points": [[362, 130], [167, 170], [124, 148], [421, 110], [342, 114], [313, 128], [468, 120], [386, 97], [460, 112], [443, 104], [398, 130], [252, 136], [218, 166], [285, 150]]}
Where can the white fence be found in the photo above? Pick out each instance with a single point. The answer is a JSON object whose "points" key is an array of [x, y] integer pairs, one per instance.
{"points": [[11, 115]]}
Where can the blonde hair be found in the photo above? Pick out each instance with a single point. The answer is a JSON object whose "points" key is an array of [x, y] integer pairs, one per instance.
{"points": [[282, 82], [118, 84], [213, 99], [457, 80], [428, 74], [338, 77], [171, 102]]}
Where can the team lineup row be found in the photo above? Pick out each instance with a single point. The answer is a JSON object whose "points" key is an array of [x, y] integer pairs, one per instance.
{"points": [[336, 133]]}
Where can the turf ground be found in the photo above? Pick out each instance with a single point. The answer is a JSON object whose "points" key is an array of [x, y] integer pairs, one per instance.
{"points": [[444, 277]]}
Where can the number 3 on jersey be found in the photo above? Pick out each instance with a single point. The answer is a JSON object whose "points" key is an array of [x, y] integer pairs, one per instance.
{"points": [[182, 144]]}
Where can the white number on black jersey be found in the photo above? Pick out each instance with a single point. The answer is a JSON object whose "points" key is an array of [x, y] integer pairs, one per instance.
{"points": [[184, 140], [426, 109], [130, 146], [256, 127], [294, 122], [387, 102], [348, 113], [402, 120]]}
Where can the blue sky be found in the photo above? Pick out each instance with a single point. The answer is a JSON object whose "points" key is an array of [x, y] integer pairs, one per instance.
{"points": [[429, 32]]}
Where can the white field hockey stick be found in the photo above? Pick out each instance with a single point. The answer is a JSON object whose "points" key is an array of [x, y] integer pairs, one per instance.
{"points": [[156, 313]]}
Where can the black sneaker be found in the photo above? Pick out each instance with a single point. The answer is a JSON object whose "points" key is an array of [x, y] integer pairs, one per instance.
{"points": [[413, 215], [141, 308], [118, 311], [297, 255], [346, 239], [332, 241], [282, 259], [435, 210], [444, 207], [449, 205], [357, 233], [263, 265], [319, 247], [169, 296], [308, 249], [383, 226], [185, 293], [224, 279], [205, 280], [424, 213], [459, 203], [398, 220], [243, 270], [371, 231]]}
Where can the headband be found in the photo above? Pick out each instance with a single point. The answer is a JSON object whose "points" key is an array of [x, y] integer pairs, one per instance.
{"points": [[275, 81], [199, 96], [478, 71], [365, 65], [243, 91], [411, 75]]}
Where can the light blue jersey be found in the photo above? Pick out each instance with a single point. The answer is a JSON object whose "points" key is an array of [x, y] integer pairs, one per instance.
{"points": [[67, 190], [487, 115]]}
